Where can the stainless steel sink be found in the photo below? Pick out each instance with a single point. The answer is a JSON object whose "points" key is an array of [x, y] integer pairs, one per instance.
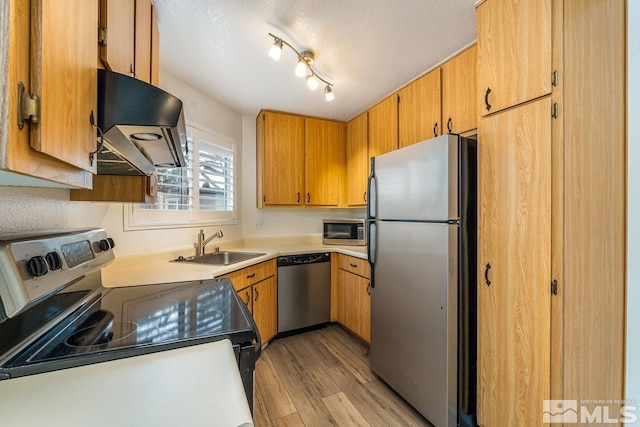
{"points": [[220, 258]]}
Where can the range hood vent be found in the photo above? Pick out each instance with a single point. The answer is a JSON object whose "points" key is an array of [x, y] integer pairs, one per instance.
{"points": [[143, 126]]}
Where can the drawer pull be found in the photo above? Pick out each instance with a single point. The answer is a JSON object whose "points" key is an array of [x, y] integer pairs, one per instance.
{"points": [[251, 276], [353, 265]]}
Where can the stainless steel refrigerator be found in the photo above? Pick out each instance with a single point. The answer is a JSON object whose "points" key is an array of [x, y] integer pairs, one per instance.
{"points": [[422, 251]]}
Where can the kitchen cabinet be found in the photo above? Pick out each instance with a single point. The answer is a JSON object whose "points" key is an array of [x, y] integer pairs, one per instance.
{"points": [[257, 287], [142, 40], [117, 35], [514, 297], [119, 188], [357, 161], [551, 227], [300, 160], [419, 114], [354, 295], [459, 83], [324, 161], [514, 53], [51, 48], [155, 48], [383, 127]]}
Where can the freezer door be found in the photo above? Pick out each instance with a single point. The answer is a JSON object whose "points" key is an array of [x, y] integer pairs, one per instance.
{"points": [[418, 182], [413, 314]]}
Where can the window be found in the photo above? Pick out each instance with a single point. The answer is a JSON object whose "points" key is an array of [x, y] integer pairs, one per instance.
{"points": [[203, 192]]}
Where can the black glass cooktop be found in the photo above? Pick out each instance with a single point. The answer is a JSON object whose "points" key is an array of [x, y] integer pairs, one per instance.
{"points": [[145, 317]]}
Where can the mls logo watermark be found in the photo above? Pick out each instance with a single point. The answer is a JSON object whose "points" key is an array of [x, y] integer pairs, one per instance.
{"points": [[589, 411]]}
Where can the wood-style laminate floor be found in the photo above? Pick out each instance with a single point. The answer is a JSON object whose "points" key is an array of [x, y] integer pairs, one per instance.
{"points": [[322, 378]]}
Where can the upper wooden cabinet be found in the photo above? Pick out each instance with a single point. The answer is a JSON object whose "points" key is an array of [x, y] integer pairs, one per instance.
{"points": [[300, 160], [514, 52], [117, 35], [61, 36], [129, 38], [324, 158], [357, 161], [280, 159], [383, 127], [419, 110], [459, 83], [116, 188]]}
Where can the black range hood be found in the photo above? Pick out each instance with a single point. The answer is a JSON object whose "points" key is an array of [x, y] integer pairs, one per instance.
{"points": [[143, 126]]}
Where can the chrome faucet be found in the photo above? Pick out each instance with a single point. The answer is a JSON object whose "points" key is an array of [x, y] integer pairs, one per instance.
{"points": [[202, 242]]}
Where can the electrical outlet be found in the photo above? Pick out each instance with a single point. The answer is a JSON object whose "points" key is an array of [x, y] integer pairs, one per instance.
{"points": [[259, 224]]}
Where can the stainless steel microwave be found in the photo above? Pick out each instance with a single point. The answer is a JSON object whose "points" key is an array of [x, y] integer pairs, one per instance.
{"points": [[344, 232]]}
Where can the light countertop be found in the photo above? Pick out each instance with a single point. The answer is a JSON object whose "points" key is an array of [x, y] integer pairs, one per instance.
{"points": [[192, 386], [156, 268]]}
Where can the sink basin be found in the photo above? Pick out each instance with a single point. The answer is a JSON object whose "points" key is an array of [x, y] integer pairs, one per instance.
{"points": [[221, 258]]}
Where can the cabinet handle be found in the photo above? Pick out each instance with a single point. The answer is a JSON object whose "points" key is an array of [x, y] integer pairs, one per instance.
{"points": [[256, 291], [298, 197], [435, 129], [248, 298], [449, 125], [353, 265], [486, 98], [369, 288], [486, 274], [364, 196], [251, 276], [308, 197]]}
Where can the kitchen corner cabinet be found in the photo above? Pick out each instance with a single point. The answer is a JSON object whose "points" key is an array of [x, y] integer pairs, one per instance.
{"points": [[300, 160], [419, 114], [514, 53], [354, 296], [357, 161], [51, 48], [257, 287], [383, 126], [119, 188], [459, 88]]}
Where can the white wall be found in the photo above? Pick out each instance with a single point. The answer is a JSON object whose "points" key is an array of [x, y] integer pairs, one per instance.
{"points": [[633, 206], [277, 221]]}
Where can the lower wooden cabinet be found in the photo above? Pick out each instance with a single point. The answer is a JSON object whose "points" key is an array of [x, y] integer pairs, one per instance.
{"points": [[258, 288], [354, 298]]}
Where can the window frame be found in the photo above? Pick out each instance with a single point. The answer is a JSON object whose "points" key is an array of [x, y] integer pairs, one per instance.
{"points": [[136, 218]]}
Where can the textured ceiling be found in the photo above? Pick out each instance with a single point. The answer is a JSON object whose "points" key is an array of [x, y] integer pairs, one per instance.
{"points": [[366, 48]]}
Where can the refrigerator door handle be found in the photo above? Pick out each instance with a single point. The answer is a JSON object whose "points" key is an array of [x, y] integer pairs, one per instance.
{"points": [[371, 191], [371, 249]]}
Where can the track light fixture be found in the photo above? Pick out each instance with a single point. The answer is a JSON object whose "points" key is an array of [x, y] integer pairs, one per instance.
{"points": [[303, 68]]}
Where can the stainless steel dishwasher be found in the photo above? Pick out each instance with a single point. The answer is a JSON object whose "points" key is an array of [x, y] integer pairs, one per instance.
{"points": [[304, 291]]}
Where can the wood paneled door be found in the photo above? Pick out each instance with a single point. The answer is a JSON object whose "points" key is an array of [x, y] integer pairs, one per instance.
{"points": [[357, 161], [419, 115], [514, 305]]}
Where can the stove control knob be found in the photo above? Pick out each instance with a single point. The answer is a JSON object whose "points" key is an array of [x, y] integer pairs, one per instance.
{"points": [[37, 266], [104, 245], [111, 242], [53, 260]]}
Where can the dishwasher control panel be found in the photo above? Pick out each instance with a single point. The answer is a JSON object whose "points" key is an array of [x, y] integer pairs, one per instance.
{"points": [[284, 261]]}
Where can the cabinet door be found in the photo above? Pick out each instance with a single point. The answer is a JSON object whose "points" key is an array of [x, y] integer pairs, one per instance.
{"points": [[280, 159], [383, 127], [64, 75], [265, 308], [354, 309], [514, 192], [459, 83], [119, 188], [324, 147], [514, 52], [117, 23], [357, 161], [419, 110], [142, 53], [155, 48]]}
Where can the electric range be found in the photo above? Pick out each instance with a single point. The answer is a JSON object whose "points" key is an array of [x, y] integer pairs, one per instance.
{"points": [[55, 313]]}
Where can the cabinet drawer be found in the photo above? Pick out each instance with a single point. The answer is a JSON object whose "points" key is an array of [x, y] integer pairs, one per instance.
{"points": [[355, 265], [249, 275]]}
